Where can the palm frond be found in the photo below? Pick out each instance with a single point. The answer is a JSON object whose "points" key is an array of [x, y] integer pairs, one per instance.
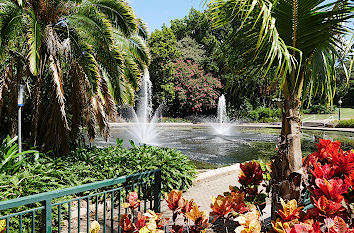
{"points": [[120, 14], [143, 31], [101, 116], [11, 23], [34, 41], [58, 85]]}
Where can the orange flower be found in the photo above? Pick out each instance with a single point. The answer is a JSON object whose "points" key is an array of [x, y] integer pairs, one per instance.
{"points": [[172, 199], [221, 206], [200, 219], [238, 201], [249, 222], [290, 210]]}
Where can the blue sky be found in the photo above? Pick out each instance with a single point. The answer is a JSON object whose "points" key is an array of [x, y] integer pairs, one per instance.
{"points": [[157, 12]]}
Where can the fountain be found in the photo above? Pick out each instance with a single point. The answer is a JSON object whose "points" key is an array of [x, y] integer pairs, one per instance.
{"points": [[144, 130], [222, 125]]}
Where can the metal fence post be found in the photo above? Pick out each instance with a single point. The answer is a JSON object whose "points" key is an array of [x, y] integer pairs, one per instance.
{"points": [[47, 216], [157, 191]]}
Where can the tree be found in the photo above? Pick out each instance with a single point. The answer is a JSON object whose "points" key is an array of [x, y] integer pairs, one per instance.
{"points": [[66, 54], [196, 92], [300, 39], [191, 50], [164, 51]]}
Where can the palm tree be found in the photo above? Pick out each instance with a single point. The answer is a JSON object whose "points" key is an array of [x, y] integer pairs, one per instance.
{"points": [[302, 41], [67, 53]]}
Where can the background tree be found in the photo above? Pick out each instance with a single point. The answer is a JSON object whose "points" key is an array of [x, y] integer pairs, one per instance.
{"points": [[74, 70], [164, 51], [299, 38]]}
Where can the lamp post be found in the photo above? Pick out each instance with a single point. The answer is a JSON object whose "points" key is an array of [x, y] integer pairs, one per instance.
{"points": [[20, 104], [340, 105]]}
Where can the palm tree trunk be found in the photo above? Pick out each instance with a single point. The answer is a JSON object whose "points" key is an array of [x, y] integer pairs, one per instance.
{"points": [[286, 166]]}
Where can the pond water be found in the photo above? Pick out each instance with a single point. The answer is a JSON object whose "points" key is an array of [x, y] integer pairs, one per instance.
{"points": [[209, 150]]}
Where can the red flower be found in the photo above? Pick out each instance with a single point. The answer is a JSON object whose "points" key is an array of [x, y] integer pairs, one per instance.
{"points": [[327, 207], [323, 172], [133, 200], [251, 174], [125, 224], [332, 188]]}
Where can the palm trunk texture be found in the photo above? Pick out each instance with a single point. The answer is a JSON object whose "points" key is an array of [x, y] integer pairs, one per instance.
{"points": [[286, 165]]}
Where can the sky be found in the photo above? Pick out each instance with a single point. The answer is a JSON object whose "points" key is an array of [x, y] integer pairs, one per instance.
{"points": [[156, 12]]}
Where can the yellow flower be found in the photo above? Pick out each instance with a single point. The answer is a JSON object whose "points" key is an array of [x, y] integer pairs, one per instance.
{"points": [[249, 222], [95, 227], [2, 225]]}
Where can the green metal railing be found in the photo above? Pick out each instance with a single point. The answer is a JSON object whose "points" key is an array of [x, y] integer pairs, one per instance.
{"points": [[61, 210]]}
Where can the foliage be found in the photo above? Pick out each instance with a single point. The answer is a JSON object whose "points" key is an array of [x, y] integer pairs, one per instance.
{"points": [[152, 222], [191, 50], [331, 188], [164, 51], [77, 59], [175, 120], [94, 227], [252, 175], [2, 225], [249, 222], [318, 109], [262, 114], [345, 123], [196, 92], [49, 173], [10, 158], [289, 37]]}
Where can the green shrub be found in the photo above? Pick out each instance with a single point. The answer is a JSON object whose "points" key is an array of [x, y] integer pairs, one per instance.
{"points": [[90, 164], [263, 114], [345, 123], [10, 157], [317, 109], [87, 165]]}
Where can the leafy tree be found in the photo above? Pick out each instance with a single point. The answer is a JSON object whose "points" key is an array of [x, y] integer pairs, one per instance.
{"points": [[191, 50], [300, 39], [164, 51], [67, 54]]}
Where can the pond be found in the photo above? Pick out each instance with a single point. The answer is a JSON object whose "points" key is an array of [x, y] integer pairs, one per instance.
{"points": [[209, 150]]}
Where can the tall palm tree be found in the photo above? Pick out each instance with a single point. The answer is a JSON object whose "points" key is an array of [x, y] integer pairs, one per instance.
{"points": [[302, 41], [66, 51]]}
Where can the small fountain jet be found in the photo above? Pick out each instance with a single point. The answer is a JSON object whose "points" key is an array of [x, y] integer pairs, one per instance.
{"points": [[222, 125], [144, 130]]}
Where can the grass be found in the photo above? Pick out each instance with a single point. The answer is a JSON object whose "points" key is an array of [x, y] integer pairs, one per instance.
{"points": [[345, 113]]}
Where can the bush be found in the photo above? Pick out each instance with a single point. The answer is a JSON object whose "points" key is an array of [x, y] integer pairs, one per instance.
{"points": [[87, 165], [318, 109], [345, 123], [195, 91], [9, 155], [263, 114]]}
